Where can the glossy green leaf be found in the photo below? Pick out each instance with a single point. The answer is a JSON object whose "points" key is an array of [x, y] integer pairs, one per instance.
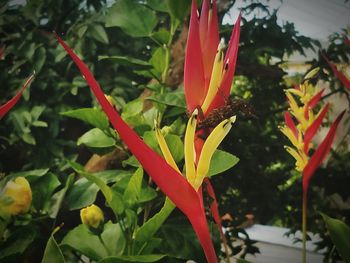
{"points": [[114, 239], [83, 241], [96, 138], [127, 61], [179, 8], [52, 253], [340, 235], [176, 146], [176, 98], [17, 242], [43, 190], [39, 59], [133, 190], [99, 33], [149, 229], [92, 116], [162, 36], [132, 108], [132, 17], [159, 60], [158, 5], [138, 258], [221, 162], [57, 198]]}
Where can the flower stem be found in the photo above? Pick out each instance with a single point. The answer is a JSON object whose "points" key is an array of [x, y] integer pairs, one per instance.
{"points": [[304, 226]]}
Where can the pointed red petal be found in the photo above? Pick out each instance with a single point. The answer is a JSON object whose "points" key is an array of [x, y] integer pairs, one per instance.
{"points": [[230, 66], [320, 154], [193, 69], [209, 35], [290, 123], [315, 99], [169, 181], [311, 131], [12, 102], [343, 79]]}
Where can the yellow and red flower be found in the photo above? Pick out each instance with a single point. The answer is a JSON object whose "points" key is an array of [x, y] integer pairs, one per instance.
{"points": [[308, 123], [206, 72]]}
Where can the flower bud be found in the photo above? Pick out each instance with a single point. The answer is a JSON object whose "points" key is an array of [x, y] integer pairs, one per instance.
{"points": [[18, 196], [92, 216]]}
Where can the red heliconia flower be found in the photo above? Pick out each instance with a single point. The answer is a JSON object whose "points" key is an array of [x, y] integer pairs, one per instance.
{"points": [[208, 74], [12, 102], [171, 182]]}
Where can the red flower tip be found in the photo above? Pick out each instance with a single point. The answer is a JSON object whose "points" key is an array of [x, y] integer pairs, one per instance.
{"points": [[320, 153], [12, 102]]}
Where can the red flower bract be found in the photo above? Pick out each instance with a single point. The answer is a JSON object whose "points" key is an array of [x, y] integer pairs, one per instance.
{"points": [[12, 102]]}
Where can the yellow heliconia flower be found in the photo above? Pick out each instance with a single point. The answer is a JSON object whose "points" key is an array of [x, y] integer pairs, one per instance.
{"points": [[16, 197], [92, 216], [196, 174]]}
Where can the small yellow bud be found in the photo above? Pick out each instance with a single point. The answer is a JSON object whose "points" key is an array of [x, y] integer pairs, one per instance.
{"points": [[92, 216], [19, 194]]}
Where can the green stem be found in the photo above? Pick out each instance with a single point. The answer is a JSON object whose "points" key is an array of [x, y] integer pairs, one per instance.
{"points": [[304, 226]]}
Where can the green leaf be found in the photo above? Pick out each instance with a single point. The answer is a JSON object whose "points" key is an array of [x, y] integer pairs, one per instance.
{"points": [[28, 138], [132, 108], [221, 161], [52, 253], [158, 5], [83, 241], [149, 229], [114, 239], [176, 146], [340, 235], [133, 190], [158, 60], [139, 258], [93, 178], [127, 61], [43, 190], [132, 17], [132, 161], [149, 137], [83, 192], [99, 33], [176, 98], [96, 138], [18, 241], [39, 59], [92, 116], [57, 198], [162, 36], [179, 8]]}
